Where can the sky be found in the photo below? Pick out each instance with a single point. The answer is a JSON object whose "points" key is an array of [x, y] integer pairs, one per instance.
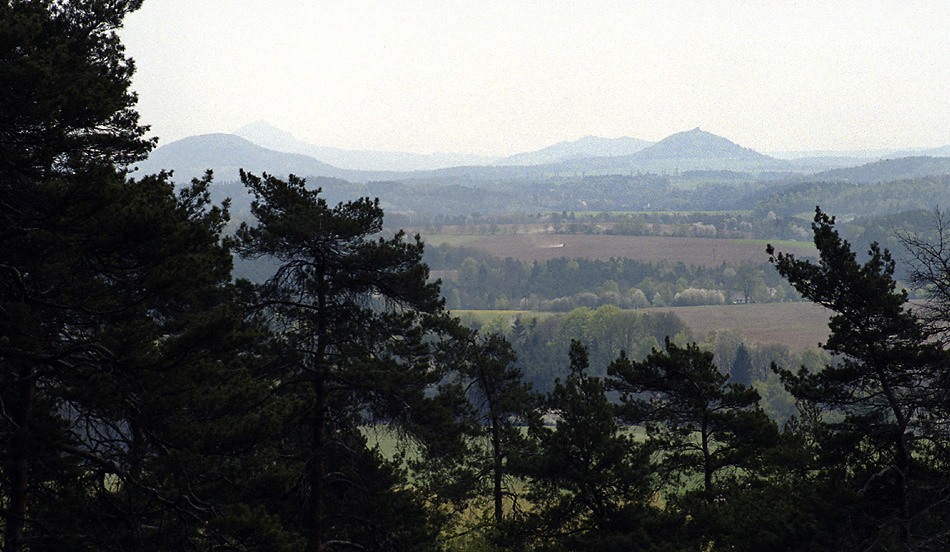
{"points": [[503, 77]]}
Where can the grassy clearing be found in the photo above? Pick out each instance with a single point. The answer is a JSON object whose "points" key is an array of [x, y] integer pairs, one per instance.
{"points": [[383, 437], [483, 316]]}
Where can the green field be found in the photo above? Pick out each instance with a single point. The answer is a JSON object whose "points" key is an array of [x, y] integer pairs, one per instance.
{"points": [[483, 316]]}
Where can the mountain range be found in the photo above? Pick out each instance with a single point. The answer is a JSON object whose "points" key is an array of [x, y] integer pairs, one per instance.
{"points": [[588, 146], [268, 136], [260, 147], [225, 154]]}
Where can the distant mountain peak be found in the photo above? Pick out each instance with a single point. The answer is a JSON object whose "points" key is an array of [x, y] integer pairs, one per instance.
{"points": [[269, 136], [699, 144], [261, 125], [227, 153], [587, 146]]}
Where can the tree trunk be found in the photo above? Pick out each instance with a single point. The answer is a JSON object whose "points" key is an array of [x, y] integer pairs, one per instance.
{"points": [[18, 469], [317, 467], [136, 449], [320, 422], [902, 453], [497, 466], [902, 468], [707, 461]]}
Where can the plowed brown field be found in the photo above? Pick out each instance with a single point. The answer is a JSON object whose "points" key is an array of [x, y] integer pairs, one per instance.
{"points": [[690, 251], [795, 325]]}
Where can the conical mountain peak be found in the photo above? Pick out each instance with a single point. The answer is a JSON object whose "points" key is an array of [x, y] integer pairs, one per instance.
{"points": [[699, 144]]}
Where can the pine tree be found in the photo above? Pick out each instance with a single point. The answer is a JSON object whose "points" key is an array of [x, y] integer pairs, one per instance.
{"points": [[116, 339], [885, 388], [588, 479], [500, 398], [64, 83], [697, 422], [123, 352], [742, 369], [65, 101], [358, 321]]}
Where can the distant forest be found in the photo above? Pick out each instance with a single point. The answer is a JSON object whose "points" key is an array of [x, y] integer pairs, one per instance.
{"points": [[420, 201]]}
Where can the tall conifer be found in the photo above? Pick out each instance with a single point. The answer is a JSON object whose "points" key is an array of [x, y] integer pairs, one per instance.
{"points": [[881, 397]]}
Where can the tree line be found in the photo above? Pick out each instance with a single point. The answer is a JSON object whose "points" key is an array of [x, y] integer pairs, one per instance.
{"points": [[562, 284], [150, 402], [541, 343], [861, 199]]}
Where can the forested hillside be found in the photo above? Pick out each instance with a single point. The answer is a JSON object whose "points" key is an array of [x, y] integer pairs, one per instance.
{"points": [[852, 199], [152, 398]]}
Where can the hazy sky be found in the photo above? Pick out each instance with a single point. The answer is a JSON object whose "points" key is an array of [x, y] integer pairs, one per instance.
{"points": [[502, 77]]}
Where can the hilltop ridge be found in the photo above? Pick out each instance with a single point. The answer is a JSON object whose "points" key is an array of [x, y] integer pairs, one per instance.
{"points": [[699, 144], [264, 147], [264, 134]]}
